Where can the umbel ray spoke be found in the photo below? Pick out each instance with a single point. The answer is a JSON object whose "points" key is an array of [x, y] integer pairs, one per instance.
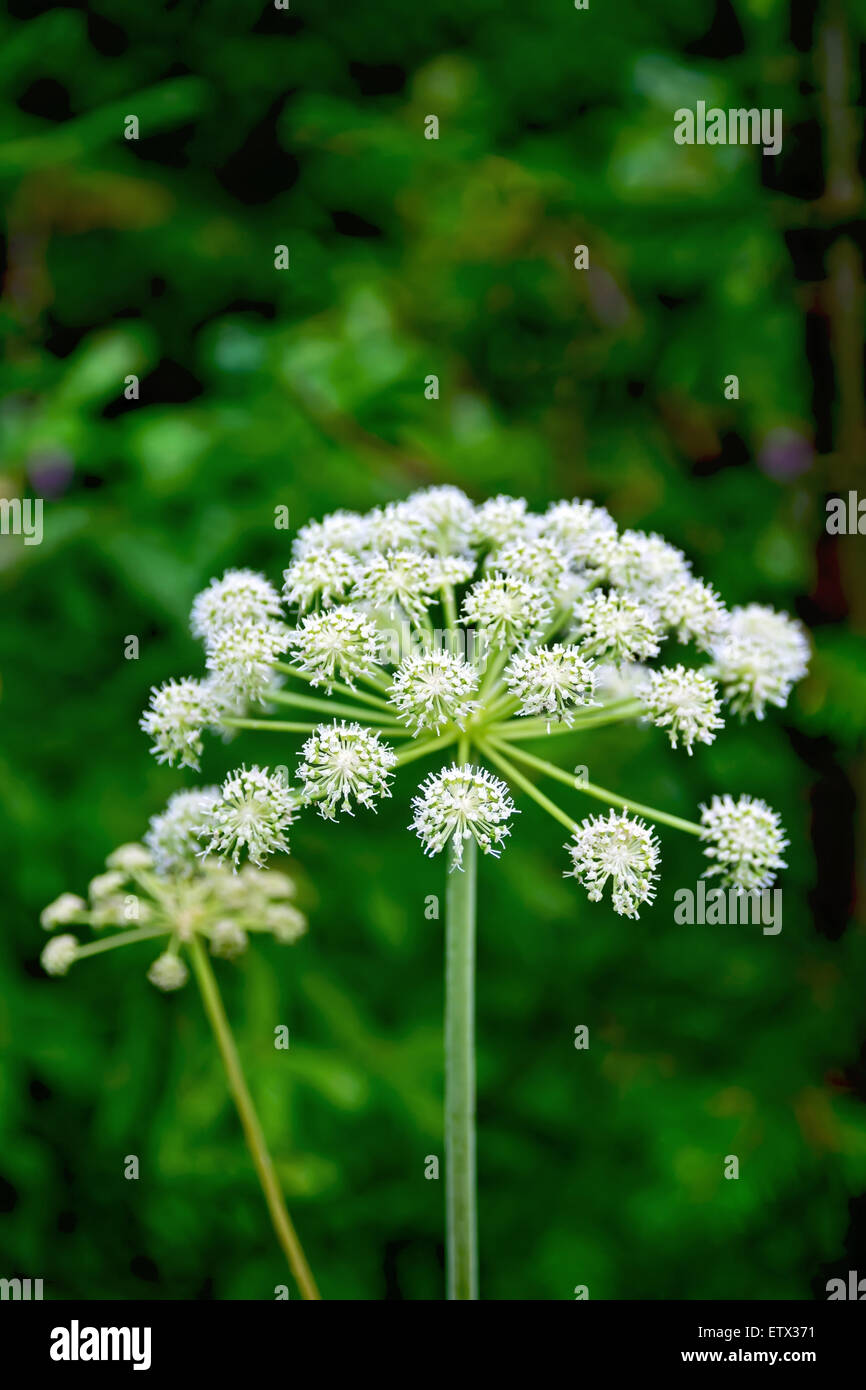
{"points": [[362, 695], [331, 708], [577, 784]]}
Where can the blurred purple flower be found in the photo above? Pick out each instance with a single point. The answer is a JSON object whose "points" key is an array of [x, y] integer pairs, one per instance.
{"points": [[50, 472], [608, 303], [785, 454]]}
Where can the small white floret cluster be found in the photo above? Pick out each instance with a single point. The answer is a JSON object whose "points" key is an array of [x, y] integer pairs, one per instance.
{"points": [[168, 890]]}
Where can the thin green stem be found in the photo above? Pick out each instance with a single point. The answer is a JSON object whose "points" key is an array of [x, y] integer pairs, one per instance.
{"points": [[419, 750], [125, 938], [601, 793], [537, 728], [331, 707], [461, 1217], [340, 688], [449, 608], [516, 776], [282, 1222], [281, 726], [381, 683], [556, 622], [501, 706], [496, 665]]}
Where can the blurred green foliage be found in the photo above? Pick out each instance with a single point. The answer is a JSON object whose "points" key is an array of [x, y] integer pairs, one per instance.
{"points": [[305, 389]]}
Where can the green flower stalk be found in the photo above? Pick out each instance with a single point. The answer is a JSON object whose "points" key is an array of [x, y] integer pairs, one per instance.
{"points": [[434, 627], [190, 908]]}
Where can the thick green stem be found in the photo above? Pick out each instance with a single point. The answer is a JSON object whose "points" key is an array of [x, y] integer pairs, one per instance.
{"points": [[461, 1219], [252, 1128]]}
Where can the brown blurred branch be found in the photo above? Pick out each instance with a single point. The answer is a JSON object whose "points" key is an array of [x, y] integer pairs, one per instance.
{"points": [[843, 200]]}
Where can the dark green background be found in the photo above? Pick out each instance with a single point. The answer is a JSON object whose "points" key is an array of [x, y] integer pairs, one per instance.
{"points": [[304, 388]]}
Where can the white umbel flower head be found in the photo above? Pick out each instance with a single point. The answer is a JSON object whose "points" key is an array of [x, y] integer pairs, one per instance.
{"points": [[644, 565], [168, 972], [498, 520], [343, 763], [327, 575], [392, 527], [65, 909], [179, 711], [59, 954], [128, 859], [452, 569], [508, 609], [433, 688], [621, 848], [106, 885], [538, 558], [285, 922], [398, 580], [745, 841], [173, 835], [241, 659], [254, 810], [551, 681], [460, 802], [228, 940], [241, 596], [444, 516], [759, 657], [342, 530], [615, 627], [340, 644], [684, 702], [273, 884], [584, 530], [694, 611]]}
